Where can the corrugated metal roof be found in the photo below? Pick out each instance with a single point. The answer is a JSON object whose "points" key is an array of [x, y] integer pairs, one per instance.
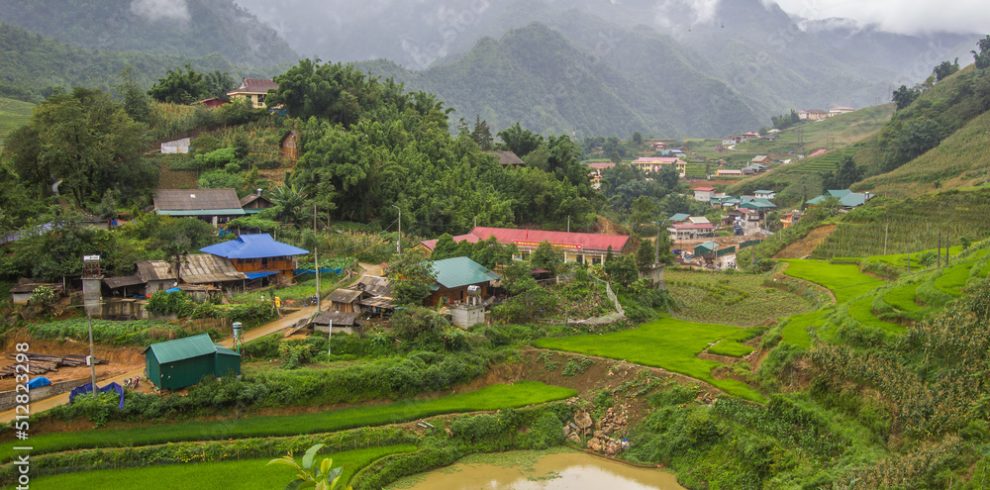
{"points": [[254, 86], [345, 295], [579, 241], [155, 270], [203, 268], [339, 319], [196, 200], [257, 246], [374, 285], [204, 212], [461, 271], [123, 281], [179, 349]]}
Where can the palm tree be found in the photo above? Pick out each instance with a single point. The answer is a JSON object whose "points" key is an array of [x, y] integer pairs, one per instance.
{"points": [[290, 204]]}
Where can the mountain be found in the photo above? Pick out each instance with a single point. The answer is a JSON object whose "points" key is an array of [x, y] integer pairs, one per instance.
{"points": [[772, 60], [535, 76], [187, 28], [32, 66]]}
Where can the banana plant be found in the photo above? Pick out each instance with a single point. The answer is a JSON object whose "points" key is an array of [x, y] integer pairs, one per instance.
{"points": [[324, 477]]}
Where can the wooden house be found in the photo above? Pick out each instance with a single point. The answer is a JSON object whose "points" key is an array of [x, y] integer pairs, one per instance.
{"points": [[255, 203], [456, 278], [259, 256], [217, 206], [289, 146], [508, 159]]}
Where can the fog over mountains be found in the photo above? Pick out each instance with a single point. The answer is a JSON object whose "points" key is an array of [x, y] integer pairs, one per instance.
{"points": [[672, 67]]}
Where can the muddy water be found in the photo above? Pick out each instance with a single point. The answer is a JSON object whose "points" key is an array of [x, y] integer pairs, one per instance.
{"points": [[529, 470]]}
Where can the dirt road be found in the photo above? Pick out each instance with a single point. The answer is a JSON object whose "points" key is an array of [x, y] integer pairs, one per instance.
{"points": [[287, 321]]}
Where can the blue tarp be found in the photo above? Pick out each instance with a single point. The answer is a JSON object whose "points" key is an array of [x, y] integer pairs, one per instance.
{"points": [[259, 246], [259, 275], [172, 290], [39, 382], [323, 270], [88, 388]]}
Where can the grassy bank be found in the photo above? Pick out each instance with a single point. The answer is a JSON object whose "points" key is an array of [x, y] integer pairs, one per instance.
{"points": [[250, 474], [667, 343], [492, 397]]}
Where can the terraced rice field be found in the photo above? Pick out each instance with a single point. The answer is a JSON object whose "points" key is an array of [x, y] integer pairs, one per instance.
{"points": [[667, 343]]}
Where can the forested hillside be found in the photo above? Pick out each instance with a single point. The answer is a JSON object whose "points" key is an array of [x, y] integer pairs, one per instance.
{"points": [[33, 66], [191, 28], [535, 76]]}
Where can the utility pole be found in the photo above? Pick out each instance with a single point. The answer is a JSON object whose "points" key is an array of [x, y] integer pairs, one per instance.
{"points": [[316, 259], [886, 231], [398, 242], [329, 337], [92, 354], [568, 224]]}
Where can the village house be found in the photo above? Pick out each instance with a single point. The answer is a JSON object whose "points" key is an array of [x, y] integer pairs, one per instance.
{"points": [[703, 193], [583, 248], [679, 218], [371, 294], [789, 219], [689, 230], [341, 322], [202, 273], [846, 198], [837, 111], [458, 279], [213, 102], [20, 293], [765, 194], [180, 363], [754, 169], [812, 115], [216, 206], [255, 203], [259, 256], [658, 145], [508, 158], [597, 172], [726, 172], [761, 159], [657, 164], [255, 90]]}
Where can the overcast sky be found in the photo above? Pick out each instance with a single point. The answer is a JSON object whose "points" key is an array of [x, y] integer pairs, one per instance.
{"points": [[906, 16]]}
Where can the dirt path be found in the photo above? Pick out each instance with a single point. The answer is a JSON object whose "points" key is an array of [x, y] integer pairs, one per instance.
{"points": [[38, 406], [803, 248]]}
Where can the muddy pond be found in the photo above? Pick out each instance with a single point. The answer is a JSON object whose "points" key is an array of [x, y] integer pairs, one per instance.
{"points": [[540, 470]]}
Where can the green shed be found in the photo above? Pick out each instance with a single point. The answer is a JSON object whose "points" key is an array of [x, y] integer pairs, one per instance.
{"points": [[179, 363]]}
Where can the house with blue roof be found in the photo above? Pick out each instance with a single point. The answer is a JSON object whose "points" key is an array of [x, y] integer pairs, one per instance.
{"points": [[259, 257]]}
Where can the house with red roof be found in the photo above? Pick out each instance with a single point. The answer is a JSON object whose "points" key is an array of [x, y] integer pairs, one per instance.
{"points": [[703, 193], [690, 230], [583, 248]]}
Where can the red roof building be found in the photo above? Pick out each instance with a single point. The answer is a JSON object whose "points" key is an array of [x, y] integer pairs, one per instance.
{"points": [[589, 248]]}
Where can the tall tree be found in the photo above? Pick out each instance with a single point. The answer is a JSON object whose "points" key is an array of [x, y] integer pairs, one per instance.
{"points": [[904, 96], [411, 278], [982, 57], [482, 135], [520, 141], [180, 87], [82, 144]]}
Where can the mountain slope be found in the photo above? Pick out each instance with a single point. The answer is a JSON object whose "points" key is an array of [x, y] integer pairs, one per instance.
{"points": [[13, 114], [189, 28], [32, 66], [533, 75], [961, 160]]}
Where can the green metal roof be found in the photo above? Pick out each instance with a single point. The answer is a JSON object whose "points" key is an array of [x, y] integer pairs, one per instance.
{"points": [[461, 271], [706, 247], [838, 192], [179, 349], [818, 200], [763, 191], [852, 200], [679, 217], [202, 212]]}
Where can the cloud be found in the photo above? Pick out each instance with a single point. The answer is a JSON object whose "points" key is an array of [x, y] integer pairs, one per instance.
{"points": [[674, 14], [901, 16], [161, 9]]}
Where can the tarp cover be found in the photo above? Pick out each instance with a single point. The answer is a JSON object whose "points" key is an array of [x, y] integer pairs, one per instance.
{"points": [[39, 382], [88, 388]]}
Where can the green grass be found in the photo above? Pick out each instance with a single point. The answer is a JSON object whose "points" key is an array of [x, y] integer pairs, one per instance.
{"points": [[730, 348], [248, 474], [491, 397], [845, 281], [109, 332], [706, 297], [667, 343], [796, 329], [13, 114]]}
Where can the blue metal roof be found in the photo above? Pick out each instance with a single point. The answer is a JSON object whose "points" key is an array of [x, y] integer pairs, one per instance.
{"points": [[259, 246]]}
